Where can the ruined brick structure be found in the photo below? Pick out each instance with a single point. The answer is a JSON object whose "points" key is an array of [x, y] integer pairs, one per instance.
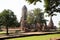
{"points": [[23, 18], [50, 25], [38, 26]]}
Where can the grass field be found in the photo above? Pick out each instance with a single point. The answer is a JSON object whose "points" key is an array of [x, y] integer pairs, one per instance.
{"points": [[40, 37], [2, 32]]}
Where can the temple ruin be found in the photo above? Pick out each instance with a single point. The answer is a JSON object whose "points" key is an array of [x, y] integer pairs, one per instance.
{"points": [[23, 18], [38, 26]]}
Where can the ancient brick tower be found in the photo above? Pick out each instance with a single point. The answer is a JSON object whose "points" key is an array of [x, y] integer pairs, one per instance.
{"points": [[51, 24], [23, 18]]}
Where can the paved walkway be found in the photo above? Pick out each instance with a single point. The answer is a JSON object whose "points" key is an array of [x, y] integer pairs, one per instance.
{"points": [[29, 33]]}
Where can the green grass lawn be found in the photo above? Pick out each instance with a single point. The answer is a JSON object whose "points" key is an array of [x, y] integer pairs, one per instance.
{"points": [[40, 37], [2, 32]]}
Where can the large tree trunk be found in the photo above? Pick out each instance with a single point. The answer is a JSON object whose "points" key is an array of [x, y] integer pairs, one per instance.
{"points": [[0, 28], [7, 30]]}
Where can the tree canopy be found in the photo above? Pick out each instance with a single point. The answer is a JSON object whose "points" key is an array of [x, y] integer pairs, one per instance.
{"points": [[30, 17], [35, 16], [8, 18], [52, 6], [33, 1]]}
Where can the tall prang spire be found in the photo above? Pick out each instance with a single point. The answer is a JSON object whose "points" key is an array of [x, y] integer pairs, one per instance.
{"points": [[24, 12], [23, 18]]}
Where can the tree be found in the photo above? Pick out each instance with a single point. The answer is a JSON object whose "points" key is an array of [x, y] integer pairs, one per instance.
{"points": [[8, 19], [30, 18], [39, 18], [38, 15], [52, 6]]}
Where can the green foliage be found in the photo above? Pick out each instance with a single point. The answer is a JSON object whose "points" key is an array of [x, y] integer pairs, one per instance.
{"points": [[30, 17], [7, 18], [36, 11], [51, 6], [35, 16], [33, 1], [39, 16]]}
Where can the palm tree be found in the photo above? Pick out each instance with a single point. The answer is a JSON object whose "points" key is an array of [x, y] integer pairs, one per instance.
{"points": [[39, 18]]}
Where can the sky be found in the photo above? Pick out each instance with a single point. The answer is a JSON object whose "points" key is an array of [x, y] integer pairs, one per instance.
{"points": [[16, 7]]}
